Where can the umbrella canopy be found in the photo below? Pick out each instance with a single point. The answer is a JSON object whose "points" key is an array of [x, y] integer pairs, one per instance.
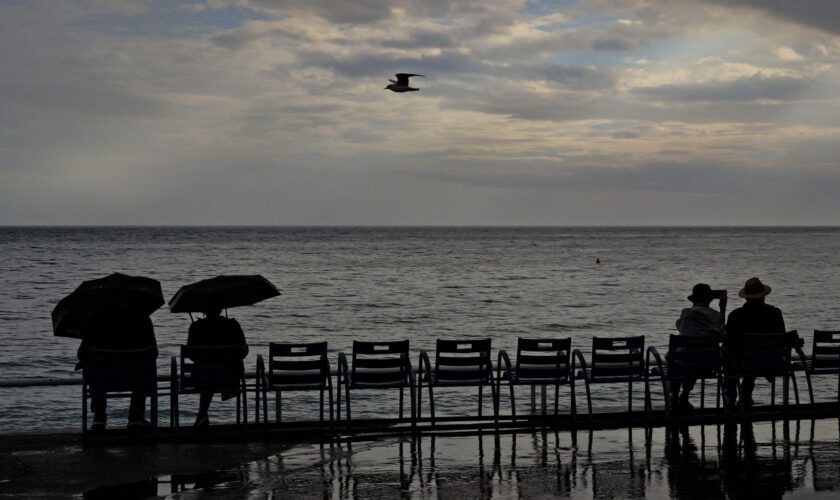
{"points": [[89, 301], [222, 292]]}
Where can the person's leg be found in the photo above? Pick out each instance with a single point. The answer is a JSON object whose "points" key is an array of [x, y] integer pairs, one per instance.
{"points": [[137, 409], [98, 408], [675, 391], [204, 401], [747, 386], [687, 384]]}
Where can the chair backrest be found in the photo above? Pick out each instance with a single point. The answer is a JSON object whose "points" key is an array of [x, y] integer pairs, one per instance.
{"points": [[211, 368], [825, 355], [617, 358], [464, 362], [380, 363], [767, 354], [543, 359], [122, 370], [298, 365], [695, 356]]}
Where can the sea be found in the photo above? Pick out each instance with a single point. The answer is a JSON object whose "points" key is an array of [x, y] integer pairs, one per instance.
{"points": [[342, 284]]}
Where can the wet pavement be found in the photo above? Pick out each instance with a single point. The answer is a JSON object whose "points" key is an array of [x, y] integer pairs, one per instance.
{"points": [[796, 459], [764, 460]]}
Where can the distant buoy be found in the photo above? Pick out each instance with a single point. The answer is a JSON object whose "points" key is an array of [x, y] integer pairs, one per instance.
{"points": [[597, 260]]}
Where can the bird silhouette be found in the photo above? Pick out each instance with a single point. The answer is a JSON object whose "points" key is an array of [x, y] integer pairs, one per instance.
{"points": [[401, 83]]}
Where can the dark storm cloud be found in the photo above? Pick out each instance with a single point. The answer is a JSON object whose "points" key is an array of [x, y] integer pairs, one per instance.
{"points": [[822, 14], [752, 88]]}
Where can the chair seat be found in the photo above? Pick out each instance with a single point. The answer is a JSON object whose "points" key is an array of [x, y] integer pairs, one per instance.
{"points": [[538, 381]]}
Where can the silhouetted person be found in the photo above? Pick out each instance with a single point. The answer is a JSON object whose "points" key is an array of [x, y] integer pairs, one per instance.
{"points": [[214, 330], [118, 329], [753, 317], [698, 320]]}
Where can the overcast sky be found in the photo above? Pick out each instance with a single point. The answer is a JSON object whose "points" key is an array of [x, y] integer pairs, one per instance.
{"points": [[568, 112]]}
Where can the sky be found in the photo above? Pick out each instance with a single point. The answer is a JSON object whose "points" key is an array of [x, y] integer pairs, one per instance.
{"points": [[566, 112]]}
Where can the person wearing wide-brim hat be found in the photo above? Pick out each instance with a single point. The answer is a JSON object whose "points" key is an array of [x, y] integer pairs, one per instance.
{"points": [[698, 320], [755, 316]]}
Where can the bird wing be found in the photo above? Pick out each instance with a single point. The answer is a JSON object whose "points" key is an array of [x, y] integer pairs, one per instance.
{"points": [[402, 78]]}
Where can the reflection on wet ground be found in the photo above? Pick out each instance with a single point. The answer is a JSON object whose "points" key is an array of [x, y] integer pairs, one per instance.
{"points": [[762, 460]]}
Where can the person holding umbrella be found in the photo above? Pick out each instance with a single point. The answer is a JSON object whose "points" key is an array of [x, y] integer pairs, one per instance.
{"points": [[214, 330], [111, 313], [135, 332], [210, 296]]}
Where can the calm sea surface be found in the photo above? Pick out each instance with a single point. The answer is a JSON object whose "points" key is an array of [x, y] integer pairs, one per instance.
{"points": [[341, 284]]}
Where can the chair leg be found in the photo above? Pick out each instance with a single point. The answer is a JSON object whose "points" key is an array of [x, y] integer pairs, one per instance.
{"points": [[177, 412], [265, 404], [432, 404], [330, 394], [154, 412], [419, 389], [480, 398], [84, 411], [413, 409], [495, 395], [244, 406], [322, 404], [347, 394], [401, 402], [512, 401]]}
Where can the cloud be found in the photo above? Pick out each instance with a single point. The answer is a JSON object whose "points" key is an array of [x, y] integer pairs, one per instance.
{"points": [[822, 14], [252, 111], [746, 89]]}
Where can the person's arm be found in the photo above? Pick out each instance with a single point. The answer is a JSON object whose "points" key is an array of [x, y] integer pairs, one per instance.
{"points": [[236, 331], [681, 318], [781, 321], [81, 354]]}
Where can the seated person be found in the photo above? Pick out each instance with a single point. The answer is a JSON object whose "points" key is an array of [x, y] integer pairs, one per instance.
{"points": [[699, 319], [214, 330], [755, 316], [118, 329]]}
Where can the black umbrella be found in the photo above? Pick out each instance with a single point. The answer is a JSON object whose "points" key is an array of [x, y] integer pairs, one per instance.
{"points": [[76, 312], [222, 292]]}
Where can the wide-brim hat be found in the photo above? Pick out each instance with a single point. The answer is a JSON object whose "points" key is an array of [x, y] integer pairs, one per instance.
{"points": [[754, 289], [701, 293]]}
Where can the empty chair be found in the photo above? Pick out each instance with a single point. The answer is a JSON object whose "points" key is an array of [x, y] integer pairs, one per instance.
{"points": [[690, 357], [209, 369], [538, 362], [294, 367], [825, 355], [614, 360], [120, 373], [376, 365], [769, 355], [458, 363]]}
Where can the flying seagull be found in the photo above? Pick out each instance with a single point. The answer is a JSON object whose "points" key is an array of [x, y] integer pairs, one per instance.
{"points": [[401, 83]]}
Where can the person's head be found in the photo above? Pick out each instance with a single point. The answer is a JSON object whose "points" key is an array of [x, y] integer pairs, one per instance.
{"points": [[212, 313], [701, 294], [754, 289]]}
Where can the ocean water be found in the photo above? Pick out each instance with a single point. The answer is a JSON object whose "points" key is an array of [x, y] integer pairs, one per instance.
{"points": [[366, 283]]}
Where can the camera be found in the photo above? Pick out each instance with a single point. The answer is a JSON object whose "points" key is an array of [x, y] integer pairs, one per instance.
{"points": [[717, 293]]}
